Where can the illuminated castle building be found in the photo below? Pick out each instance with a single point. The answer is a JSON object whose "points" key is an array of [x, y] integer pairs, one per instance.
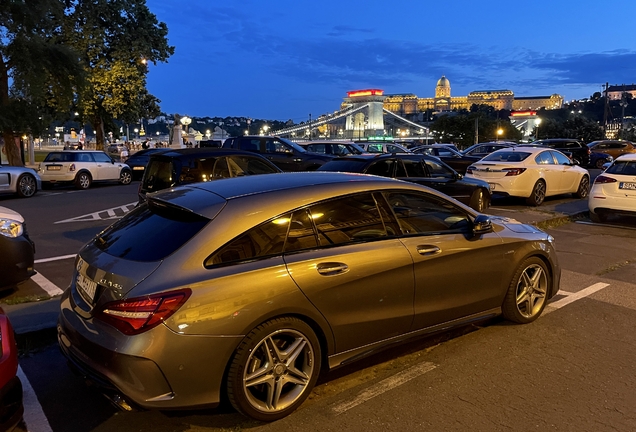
{"points": [[443, 101]]}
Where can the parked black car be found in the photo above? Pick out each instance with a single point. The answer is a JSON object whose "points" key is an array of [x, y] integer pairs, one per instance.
{"points": [[484, 149], [182, 166], [139, 160], [417, 168], [334, 148], [580, 152], [285, 154], [453, 158]]}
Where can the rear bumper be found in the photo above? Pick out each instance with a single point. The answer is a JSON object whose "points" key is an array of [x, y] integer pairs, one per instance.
{"points": [[158, 369]]}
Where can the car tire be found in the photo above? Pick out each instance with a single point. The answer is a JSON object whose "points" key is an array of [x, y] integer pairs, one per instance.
{"points": [[125, 177], [600, 163], [27, 186], [538, 194], [83, 180], [274, 369], [479, 200], [528, 292], [584, 188]]}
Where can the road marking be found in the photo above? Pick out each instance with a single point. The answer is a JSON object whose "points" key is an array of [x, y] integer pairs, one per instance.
{"points": [[34, 416], [96, 216], [572, 297], [57, 258], [385, 385], [46, 285]]}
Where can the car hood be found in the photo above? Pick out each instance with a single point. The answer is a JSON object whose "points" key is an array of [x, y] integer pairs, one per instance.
{"points": [[7, 213], [514, 225]]}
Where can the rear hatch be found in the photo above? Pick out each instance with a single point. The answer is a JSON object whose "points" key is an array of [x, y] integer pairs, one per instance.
{"points": [[619, 180], [128, 251]]}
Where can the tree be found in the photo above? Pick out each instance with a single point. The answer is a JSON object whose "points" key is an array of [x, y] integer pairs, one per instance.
{"points": [[117, 38], [37, 74]]}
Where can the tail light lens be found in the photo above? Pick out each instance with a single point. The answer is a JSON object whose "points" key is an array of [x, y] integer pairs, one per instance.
{"points": [[603, 179], [470, 169], [513, 171], [71, 167], [137, 315]]}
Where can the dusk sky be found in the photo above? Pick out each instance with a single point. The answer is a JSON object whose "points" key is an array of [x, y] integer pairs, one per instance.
{"points": [[285, 59]]}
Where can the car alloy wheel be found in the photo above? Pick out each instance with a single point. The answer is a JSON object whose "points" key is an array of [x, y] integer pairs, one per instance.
{"points": [[528, 292], [479, 201], [83, 180], [125, 177], [538, 194], [600, 163], [26, 186], [274, 369], [584, 188]]}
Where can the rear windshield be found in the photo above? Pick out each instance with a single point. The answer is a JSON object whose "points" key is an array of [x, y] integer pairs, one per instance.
{"points": [[150, 232], [506, 156], [61, 157], [622, 167]]}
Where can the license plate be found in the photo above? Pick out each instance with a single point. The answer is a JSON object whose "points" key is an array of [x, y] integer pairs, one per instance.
{"points": [[87, 287], [53, 167], [626, 185], [138, 168]]}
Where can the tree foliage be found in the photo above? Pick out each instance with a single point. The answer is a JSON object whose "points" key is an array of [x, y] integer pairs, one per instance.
{"points": [[37, 73], [117, 38]]}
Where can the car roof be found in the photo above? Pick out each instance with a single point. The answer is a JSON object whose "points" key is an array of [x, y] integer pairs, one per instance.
{"points": [[525, 149], [205, 151], [628, 157]]}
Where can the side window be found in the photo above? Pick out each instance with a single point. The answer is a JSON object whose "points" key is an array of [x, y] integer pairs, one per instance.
{"points": [[220, 168], [419, 213], [437, 169], [274, 146], [349, 219], [382, 168], [250, 144], [243, 165], [375, 148], [101, 157], [265, 240], [414, 168], [301, 235], [561, 158], [393, 149], [544, 158]]}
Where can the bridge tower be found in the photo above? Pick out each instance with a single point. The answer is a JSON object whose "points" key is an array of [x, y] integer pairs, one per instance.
{"points": [[369, 121]]}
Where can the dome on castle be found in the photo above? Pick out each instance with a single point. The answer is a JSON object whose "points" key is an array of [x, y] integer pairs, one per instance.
{"points": [[443, 82]]}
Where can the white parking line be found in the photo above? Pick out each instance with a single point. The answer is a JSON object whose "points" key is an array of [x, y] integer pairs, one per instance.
{"points": [[34, 416], [385, 385], [96, 216], [572, 297], [46, 285], [57, 258]]}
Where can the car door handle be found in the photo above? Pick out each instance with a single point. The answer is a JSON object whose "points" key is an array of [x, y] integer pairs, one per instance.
{"points": [[428, 250], [332, 268]]}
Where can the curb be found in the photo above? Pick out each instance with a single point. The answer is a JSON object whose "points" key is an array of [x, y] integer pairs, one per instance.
{"points": [[33, 316]]}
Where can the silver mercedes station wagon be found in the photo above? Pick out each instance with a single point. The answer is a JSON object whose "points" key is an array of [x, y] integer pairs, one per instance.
{"points": [[246, 288]]}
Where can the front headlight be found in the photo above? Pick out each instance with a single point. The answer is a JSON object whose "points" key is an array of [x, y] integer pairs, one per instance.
{"points": [[550, 239], [11, 228]]}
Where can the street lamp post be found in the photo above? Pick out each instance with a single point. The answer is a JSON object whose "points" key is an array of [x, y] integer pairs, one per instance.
{"points": [[499, 133], [185, 121]]}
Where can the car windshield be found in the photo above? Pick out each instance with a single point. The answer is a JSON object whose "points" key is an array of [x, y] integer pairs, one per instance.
{"points": [[622, 168], [506, 156], [293, 144]]}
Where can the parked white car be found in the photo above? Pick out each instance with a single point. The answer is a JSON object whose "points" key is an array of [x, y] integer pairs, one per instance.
{"points": [[532, 173], [82, 167], [614, 191]]}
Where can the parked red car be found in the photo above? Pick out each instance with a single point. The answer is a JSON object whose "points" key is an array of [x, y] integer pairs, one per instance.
{"points": [[11, 408]]}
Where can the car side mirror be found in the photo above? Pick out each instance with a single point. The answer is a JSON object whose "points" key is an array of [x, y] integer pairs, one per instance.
{"points": [[458, 176], [482, 225]]}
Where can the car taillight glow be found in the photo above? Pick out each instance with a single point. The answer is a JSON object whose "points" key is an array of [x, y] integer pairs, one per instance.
{"points": [[513, 171], [603, 179], [71, 167], [470, 169], [137, 315]]}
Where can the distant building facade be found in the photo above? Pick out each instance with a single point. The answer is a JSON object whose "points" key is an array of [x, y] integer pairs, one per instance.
{"points": [[443, 101], [615, 92]]}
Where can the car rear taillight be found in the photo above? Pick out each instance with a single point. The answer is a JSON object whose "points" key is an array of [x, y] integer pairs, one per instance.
{"points": [[513, 171], [603, 179], [470, 169], [140, 314], [71, 167]]}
